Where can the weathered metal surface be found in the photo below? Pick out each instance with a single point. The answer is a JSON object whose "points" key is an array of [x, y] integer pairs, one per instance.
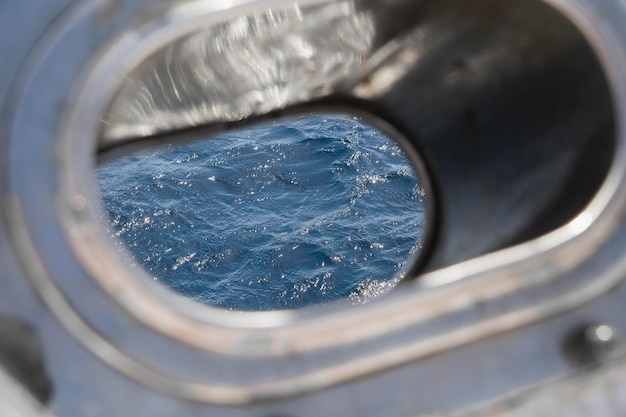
{"points": [[514, 112]]}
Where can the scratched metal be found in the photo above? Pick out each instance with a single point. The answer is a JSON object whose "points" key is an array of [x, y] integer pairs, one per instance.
{"points": [[241, 67]]}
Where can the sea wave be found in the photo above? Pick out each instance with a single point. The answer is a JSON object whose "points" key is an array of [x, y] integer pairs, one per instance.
{"points": [[285, 215]]}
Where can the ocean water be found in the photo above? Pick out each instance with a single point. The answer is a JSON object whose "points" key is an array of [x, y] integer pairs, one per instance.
{"points": [[285, 215]]}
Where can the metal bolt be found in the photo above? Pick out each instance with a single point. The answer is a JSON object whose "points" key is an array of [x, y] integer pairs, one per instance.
{"points": [[591, 344], [77, 203]]}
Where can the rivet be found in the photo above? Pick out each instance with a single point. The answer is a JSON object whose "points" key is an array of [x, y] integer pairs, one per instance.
{"points": [[78, 203], [591, 344]]}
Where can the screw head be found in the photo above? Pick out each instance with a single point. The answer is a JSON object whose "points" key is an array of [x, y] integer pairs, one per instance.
{"points": [[591, 344]]}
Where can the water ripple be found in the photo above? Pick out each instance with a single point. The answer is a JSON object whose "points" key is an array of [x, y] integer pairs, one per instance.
{"points": [[285, 215]]}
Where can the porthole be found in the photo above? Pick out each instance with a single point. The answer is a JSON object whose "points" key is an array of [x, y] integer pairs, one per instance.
{"points": [[508, 106]]}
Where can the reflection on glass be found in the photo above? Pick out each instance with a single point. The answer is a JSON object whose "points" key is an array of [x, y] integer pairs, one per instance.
{"points": [[284, 215]]}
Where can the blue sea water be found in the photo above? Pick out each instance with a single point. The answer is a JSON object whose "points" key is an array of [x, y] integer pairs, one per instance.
{"points": [[284, 215]]}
